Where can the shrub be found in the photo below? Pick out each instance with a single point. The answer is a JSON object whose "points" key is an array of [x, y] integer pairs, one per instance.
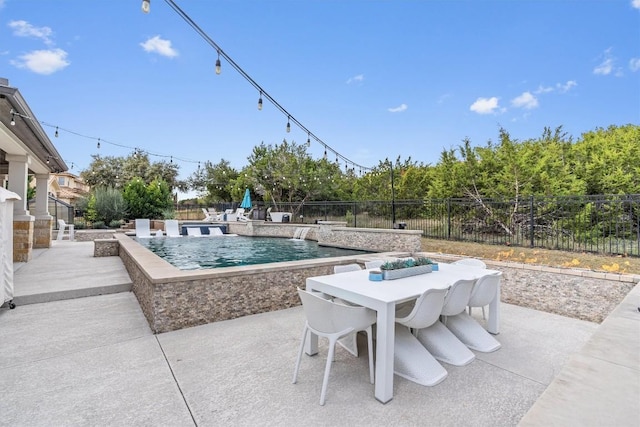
{"points": [[116, 223], [109, 205], [147, 201], [98, 225]]}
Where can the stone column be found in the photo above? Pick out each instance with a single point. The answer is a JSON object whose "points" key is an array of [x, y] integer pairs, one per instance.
{"points": [[18, 171], [22, 222], [43, 221]]}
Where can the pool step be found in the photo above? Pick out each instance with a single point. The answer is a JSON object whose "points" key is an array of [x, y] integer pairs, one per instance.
{"points": [[57, 295]]}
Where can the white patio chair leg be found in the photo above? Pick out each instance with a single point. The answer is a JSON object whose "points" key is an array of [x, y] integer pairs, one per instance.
{"points": [[304, 338], [483, 316], [327, 370]]}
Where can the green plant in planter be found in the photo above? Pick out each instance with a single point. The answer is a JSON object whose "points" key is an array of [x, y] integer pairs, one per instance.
{"points": [[405, 263], [424, 261]]}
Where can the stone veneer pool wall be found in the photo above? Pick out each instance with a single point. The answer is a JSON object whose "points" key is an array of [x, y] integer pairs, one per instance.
{"points": [[173, 299]]}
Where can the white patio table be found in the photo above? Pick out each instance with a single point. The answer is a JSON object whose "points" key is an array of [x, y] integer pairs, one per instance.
{"points": [[382, 297]]}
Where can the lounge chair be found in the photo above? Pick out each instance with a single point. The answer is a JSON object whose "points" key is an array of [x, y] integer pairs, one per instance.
{"points": [[143, 228], [215, 231], [211, 215], [242, 216], [171, 228], [194, 232]]}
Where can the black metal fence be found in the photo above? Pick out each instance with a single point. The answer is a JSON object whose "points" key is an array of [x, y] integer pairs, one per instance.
{"points": [[607, 224]]}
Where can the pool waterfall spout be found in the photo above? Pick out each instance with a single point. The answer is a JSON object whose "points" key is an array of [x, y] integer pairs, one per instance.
{"points": [[300, 233]]}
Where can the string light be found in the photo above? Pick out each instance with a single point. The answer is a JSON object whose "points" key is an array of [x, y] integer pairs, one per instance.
{"points": [[260, 102], [56, 135], [309, 139], [218, 65], [234, 65], [13, 118], [146, 6]]}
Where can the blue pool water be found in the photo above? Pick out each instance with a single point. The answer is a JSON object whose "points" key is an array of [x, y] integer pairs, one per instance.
{"points": [[193, 253]]}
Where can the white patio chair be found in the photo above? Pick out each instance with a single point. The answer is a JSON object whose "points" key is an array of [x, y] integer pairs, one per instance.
{"points": [[70, 228], [484, 291], [332, 320], [349, 343], [374, 263], [346, 268], [439, 340], [465, 327], [411, 359], [471, 262], [143, 228], [171, 227]]}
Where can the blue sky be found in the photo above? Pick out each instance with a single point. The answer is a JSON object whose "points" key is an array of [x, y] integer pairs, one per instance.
{"points": [[372, 79]]}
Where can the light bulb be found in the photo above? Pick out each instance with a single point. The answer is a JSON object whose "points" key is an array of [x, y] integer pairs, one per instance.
{"points": [[218, 65], [288, 126], [146, 6], [56, 135], [260, 103], [13, 118]]}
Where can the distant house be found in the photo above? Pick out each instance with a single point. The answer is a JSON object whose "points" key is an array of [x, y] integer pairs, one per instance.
{"points": [[68, 187]]}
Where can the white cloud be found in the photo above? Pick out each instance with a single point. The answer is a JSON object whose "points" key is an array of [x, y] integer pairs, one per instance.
{"points": [[606, 66], [543, 89], [159, 46], [43, 61], [634, 63], [566, 87], [24, 29], [527, 101], [398, 109], [356, 79], [485, 105], [635, 3]]}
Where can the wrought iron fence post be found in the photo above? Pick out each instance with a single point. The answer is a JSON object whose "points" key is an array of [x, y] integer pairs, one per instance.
{"points": [[449, 218], [532, 225], [355, 215], [393, 199]]}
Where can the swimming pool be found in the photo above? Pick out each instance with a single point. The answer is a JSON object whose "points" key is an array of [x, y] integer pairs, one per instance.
{"points": [[195, 253]]}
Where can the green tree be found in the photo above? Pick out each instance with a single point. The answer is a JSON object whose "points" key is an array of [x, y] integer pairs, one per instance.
{"points": [[214, 182], [147, 201], [287, 173], [110, 171], [608, 160]]}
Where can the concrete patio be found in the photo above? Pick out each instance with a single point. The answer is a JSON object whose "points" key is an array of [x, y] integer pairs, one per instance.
{"points": [[92, 360]]}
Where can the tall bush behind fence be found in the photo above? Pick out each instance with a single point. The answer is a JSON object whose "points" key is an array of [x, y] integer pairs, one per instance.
{"points": [[606, 224]]}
